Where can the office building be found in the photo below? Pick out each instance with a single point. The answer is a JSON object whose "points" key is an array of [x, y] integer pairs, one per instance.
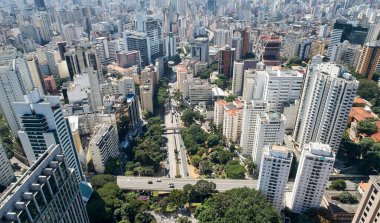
{"points": [[373, 33], [103, 145], [128, 59], [48, 192], [275, 166], [199, 49], [72, 63], [253, 84], [369, 208], [50, 84], [72, 33], [327, 97], [251, 110], [369, 60], [222, 37], [134, 40], [269, 48], [237, 78], [42, 125], [153, 29], [35, 72], [211, 7], [40, 5], [281, 86], [170, 43], [226, 59], [343, 30], [6, 171], [314, 169], [199, 91], [133, 111], [270, 129]]}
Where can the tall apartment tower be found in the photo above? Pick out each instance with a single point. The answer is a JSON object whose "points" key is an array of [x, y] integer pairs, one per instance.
{"points": [[15, 81], [281, 87], [48, 192], [274, 173], [369, 60], [6, 172], [369, 208], [251, 110], [42, 125], [326, 101], [270, 129], [237, 78], [314, 169]]}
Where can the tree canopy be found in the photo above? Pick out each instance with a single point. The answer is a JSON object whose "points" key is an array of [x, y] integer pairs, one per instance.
{"points": [[367, 127], [338, 185], [237, 205], [234, 170]]}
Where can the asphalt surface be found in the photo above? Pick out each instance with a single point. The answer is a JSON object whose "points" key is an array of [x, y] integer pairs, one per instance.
{"points": [[141, 183]]}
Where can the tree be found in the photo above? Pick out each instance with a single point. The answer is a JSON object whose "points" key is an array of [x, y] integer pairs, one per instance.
{"points": [[212, 140], [195, 160], [234, 170], [144, 218], [237, 205], [112, 166], [365, 145], [230, 98], [100, 180], [368, 90], [338, 185], [104, 201], [367, 127], [346, 198], [189, 117], [205, 168], [155, 121], [200, 191]]}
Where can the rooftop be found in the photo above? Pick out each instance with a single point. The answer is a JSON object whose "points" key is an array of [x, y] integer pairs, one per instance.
{"points": [[361, 113]]}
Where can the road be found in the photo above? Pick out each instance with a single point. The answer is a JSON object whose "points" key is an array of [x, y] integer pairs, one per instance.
{"points": [[141, 183], [171, 145]]}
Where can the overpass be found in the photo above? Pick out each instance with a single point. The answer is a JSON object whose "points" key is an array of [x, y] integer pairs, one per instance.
{"points": [[141, 183]]}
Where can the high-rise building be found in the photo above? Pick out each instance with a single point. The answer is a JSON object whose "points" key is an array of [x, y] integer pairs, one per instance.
{"points": [[314, 169], [226, 59], [251, 111], [103, 145], [15, 81], [369, 209], [48, 192], [128, 59], [211, 7], [40, 5], [6, 171], [237, 78], [253, 84], [343, 30], [170, 45], [138, 41], [72, 63], [282, 86], [232, 121], [369, 60], [269, 129], [326, 101], [42, 125], [373, 33], [222, 37], [35, 72], [274, 173], [199, 48], [133, 110], [269, 48], [72, 33]]}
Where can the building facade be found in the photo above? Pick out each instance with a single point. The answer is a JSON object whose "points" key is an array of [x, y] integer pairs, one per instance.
{"points": [[313, 173], [368, 210]]}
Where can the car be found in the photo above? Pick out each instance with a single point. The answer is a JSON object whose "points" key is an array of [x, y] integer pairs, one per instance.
{"points": [[150, 182], [171, 185], [158, 180]]}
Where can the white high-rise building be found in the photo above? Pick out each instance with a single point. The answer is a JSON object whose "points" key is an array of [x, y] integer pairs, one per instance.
{"points": [[274, 173], [251, 111], [200, 49], [103, 145], [232, 121], [237, 78], [72, 33], [282, 86], [15, 81], [270, 129], [326, 101], [222, 37], [253, 84], [314, 169], [6, 172], [42, 125]]}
